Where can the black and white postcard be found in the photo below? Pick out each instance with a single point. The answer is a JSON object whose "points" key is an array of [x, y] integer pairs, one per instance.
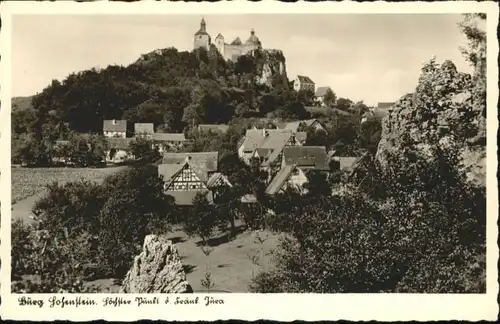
{"points": [[241, 160]]}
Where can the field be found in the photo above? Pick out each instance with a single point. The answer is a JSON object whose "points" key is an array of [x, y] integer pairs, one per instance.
{"points": [[232, 264], [27, 182]]}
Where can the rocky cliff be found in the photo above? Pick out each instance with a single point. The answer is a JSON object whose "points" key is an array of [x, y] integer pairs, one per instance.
{"points": [[157, 269], [271, 68], [446, 110]]}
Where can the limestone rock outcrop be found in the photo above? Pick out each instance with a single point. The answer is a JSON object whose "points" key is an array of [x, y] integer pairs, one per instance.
{"points": [[272, 68], [157, 269], [446, 110]]}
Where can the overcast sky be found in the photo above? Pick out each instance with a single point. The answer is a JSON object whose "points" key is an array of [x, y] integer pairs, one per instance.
{"points": [[371, 57]]}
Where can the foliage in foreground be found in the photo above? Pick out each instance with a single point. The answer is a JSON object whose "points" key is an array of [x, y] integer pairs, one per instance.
{"points": [[86, 231]]}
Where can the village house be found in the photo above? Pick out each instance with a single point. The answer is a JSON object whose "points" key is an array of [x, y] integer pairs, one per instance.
{"points": [[213, 128], [296, 162], [187, 174], [145, 130], [320, 95], [168, 141], [306, 157], [303, 83], [115, 128], [118, 150], [270, 143]]}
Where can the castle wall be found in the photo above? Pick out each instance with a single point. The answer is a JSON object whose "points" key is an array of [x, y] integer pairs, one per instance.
{"points": [[232, 52]]}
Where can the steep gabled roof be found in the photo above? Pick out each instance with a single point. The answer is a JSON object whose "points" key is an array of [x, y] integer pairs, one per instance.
{"points": [[200, 162], [114, 125], [252, 140], [168, 171], [279, 179], [321, 91], [275, 141], [169, 137], [216, 177], [304, 79], [314, 157], [293, 126]]}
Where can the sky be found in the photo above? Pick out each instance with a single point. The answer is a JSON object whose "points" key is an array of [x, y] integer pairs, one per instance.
{"points": [[369, 57]]}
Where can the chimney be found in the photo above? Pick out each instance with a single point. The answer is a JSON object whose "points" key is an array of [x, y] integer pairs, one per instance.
{"points": [[114, 121], [188, 158]]}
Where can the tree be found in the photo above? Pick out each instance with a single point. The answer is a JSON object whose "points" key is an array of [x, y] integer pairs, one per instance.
{"points": [[201, 219], [330, 98], [135, 206], [143, 150]]}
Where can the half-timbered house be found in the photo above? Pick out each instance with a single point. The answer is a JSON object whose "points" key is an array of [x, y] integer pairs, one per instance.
{"points": [[187, 174]]}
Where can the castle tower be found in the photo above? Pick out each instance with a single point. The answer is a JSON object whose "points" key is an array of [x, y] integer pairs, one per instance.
{"points": [[219, 43], [201, 37]]}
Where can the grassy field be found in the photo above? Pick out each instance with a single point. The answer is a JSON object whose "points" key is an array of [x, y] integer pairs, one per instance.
{"points": [[232, 264], [27, 182]]}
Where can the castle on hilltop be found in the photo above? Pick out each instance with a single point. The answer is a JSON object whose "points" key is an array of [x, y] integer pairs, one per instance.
{"points": [[229, 51]]}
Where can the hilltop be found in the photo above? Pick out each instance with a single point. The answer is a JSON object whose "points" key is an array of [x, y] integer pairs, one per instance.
{"points": [[173, 89], [21, 103]]}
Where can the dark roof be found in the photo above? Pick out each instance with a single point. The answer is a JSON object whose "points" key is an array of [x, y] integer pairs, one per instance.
{"points": [[236, 41], [313, 157], [200, 162], [321, 91], [141, 128], [217, 128], [119, 143], [169, 137], [114, 125], [385, 105], [279, 179], [305, 79], [185, 198], [216, 177]]}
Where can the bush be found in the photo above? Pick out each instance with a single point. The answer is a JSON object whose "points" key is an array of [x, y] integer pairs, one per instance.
{"points": [[85, 231]]}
